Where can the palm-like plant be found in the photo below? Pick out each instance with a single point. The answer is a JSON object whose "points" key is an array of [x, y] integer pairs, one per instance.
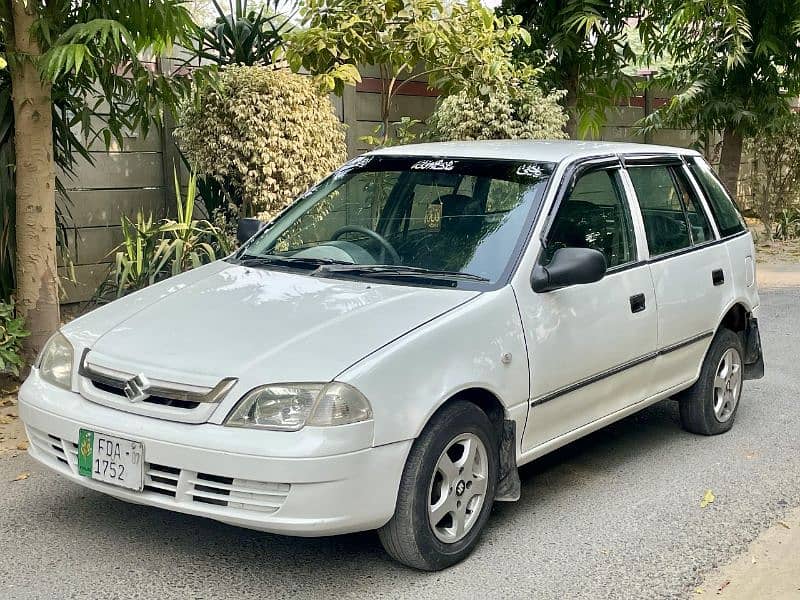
{"points": [[242, 35], [154, 250]]}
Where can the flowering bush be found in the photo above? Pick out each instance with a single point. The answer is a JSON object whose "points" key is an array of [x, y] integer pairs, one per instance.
{"points": [[266, 135], [504, 113]]}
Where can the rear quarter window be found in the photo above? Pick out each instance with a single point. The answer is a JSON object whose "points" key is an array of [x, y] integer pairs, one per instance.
{"points": [[729, 219]]}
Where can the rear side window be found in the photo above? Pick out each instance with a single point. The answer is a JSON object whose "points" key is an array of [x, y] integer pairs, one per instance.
{"points": [[698, 220], [729, 220], [662, 206]]}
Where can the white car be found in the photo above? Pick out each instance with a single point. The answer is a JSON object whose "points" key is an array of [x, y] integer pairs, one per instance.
{"points": [[389, 350]]}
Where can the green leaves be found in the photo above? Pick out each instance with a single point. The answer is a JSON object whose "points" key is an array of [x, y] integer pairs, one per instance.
{"points": [[152, 251], [522, 112], [242, 36], [12, 332], [264, 135], [452, 44], [737, 62]]}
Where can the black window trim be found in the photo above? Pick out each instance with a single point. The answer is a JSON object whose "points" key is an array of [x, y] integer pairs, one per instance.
{"points": [[575, 171], [692, 161], [678, 161]]}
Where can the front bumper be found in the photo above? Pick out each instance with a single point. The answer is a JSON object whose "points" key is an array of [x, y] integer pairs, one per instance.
{"points": [[254, 484]]}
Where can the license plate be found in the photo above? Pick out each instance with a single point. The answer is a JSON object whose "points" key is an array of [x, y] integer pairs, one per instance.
{"points": [[110, 459]]}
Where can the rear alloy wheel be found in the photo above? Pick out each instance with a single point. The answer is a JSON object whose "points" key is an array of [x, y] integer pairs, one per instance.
{"points": [[709, 406], [727, 385], [446, 491]]}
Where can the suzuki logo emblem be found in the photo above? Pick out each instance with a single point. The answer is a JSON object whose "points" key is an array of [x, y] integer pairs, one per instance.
{"points": [[136, 388]]}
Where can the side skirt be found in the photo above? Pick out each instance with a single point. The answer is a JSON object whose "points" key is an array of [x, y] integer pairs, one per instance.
{"points": [[575, 434]]}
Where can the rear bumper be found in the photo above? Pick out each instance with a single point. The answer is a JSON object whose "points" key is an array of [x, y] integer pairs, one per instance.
{"points": [[753, 354], [304, 496]]}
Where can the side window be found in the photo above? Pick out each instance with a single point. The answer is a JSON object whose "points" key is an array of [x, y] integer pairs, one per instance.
{"points": [[661, 203], [698, 220], [725, 213], [595, 215]]}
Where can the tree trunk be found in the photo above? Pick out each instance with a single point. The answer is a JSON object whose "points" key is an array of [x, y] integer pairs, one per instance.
{"points": [[730, 160], [571, 103], [37, 274]]}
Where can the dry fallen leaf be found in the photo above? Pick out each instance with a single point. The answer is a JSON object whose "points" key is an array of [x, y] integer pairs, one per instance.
{"points": [[708, 498], [785, 525], [21, 476], [22, 446], [723, 586], [6, 419]]}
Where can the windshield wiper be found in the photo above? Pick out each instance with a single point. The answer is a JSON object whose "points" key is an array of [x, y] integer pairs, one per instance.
{"points": [[396, 271], [289, 261]]}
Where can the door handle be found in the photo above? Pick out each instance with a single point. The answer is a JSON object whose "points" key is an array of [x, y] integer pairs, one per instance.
{"points": [[638, 303], [718, 276]]}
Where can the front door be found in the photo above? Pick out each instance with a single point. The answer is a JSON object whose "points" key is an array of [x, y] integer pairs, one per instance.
{"points": [[589, 345]]}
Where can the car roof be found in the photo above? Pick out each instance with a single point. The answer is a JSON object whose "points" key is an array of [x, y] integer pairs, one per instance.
{"points": [[533, 150]]}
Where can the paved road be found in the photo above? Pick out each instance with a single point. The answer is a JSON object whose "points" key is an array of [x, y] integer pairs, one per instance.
{"points": [[616, 515]]}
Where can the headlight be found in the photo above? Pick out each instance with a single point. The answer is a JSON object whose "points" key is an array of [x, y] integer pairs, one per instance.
{"points": [[290, 406], [55, 361]]}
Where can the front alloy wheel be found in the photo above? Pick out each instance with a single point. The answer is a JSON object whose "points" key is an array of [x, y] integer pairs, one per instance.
{"points": [[458, 488], [446, 491]]}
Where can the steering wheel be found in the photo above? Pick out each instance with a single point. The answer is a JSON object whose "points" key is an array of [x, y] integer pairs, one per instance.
{"points": [[387, 247]]}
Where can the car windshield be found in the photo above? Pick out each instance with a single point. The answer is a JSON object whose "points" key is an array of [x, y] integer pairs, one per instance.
{"points": [[428, 220]]}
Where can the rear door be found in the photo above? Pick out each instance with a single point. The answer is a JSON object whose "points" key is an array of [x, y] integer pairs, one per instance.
{"points": [[589, 345], [691, 271]]}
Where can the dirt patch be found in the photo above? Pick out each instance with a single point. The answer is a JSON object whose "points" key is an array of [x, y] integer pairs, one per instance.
{"points": [[778, 252], [778, 275], [12, 432], [769, 569]]}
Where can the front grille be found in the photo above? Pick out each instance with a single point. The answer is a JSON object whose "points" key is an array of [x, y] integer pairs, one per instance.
{"points": [[118, 391], [159, 398], [180, 486]]}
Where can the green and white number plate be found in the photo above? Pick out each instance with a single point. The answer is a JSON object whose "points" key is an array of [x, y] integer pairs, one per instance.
{"points": [[111, 459]]}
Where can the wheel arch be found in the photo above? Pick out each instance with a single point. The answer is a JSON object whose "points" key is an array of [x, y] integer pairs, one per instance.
{"points": [[734, 318], [508, 485]]}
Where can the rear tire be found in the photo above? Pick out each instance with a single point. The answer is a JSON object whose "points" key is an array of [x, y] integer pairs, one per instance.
{"points": [[709, 406], [446, 491]]}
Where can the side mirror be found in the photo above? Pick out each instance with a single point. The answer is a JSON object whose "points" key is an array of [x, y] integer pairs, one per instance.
{"points": [[569, 266], [247, 228]]}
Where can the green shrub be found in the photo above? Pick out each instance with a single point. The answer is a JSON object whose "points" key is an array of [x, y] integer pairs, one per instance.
{"points": [[152, 251], [265, 134], [505, 113], [787, 224], [773, 184], [12, 332]]}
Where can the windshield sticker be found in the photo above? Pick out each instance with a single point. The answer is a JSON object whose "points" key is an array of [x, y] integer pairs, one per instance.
{"points": [[434, 165], [530, 170], [358, 162], [433, 215]]}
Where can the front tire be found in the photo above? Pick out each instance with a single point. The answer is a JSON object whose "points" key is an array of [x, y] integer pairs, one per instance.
{"points": [[709, 406], [446, 491]]}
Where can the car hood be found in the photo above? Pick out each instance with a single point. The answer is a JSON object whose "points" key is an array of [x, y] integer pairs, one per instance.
{"points": [[227, 320]]}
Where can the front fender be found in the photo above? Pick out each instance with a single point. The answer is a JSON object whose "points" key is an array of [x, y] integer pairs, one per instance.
{"points": [[409, 379]]}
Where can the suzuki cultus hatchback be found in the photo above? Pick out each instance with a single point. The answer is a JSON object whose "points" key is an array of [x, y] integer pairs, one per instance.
{"points": [[387, 351]]}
